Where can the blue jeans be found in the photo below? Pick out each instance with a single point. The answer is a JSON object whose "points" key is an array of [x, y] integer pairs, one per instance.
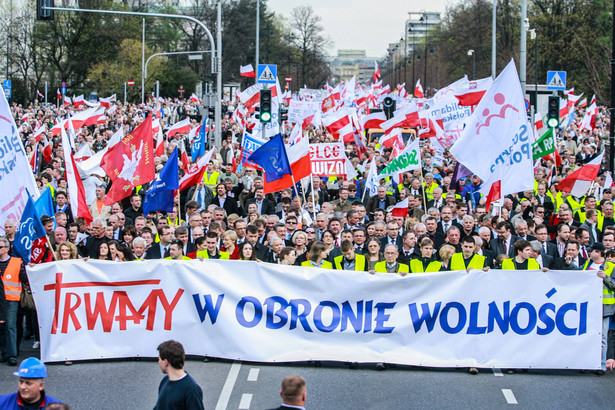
{"points": [[606, 321], [8, 346]]}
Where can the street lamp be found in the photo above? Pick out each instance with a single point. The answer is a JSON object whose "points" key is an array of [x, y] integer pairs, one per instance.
{"points": [[471, 53], [534, 36]]}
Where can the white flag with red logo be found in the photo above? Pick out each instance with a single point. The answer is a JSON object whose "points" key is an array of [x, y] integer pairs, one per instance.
{"points": [[497, 139]]}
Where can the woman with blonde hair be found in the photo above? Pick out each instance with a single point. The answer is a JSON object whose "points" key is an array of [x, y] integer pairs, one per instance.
{"points": [[229, 242], [446, 252], [299, 239], [66, 251]]}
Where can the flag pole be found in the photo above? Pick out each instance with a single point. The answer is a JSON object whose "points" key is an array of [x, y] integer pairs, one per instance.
{"points": [[313, 200], [53, 253], [425, 187]]}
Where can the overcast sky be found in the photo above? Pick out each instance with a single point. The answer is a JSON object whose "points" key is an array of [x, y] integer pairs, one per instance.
{"points": [[362, 24]]}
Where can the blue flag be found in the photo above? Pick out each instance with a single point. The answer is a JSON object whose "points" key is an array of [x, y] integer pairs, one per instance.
{"points": [[198, 145], [30, 229], [159, 196], [44, 204], [272, 157]]}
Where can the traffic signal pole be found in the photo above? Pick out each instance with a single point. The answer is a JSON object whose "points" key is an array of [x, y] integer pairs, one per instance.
{"points": [[216, 58]]}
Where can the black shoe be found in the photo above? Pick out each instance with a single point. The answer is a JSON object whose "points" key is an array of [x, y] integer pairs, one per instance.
{"points": [[600, 372], [12, 361]]}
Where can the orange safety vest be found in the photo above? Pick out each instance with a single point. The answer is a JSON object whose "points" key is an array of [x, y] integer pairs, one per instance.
{"points": [[12, 284]]}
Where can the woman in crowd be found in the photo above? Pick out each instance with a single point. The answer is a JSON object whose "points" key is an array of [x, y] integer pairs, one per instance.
{"points": [[229, 242], [426, 262], [124, 253], [246, 252], [103, 252], [373, 253], [445, 253], [288, 256], [66, 251], [252, 216], [299, 239], [328, 237], [317, 256], [113, 250], [128, 234]]}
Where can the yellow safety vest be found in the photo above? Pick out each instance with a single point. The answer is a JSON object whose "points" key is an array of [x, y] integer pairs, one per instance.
{"points": [[416, 266], [382, 267], [12, 284], [325, 264], [203, 254], [583, 217], [574, 204], [212, 181], [457, 262], [509, 264], [177, 222], [359, 262], [429, 190], [184, 258], [608, 297]]}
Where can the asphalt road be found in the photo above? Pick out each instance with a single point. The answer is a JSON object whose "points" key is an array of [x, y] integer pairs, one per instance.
{"points": [[132, 384]]}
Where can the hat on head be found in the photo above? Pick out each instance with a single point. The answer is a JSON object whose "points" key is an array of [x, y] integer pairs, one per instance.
{"points": [[597, 246]]}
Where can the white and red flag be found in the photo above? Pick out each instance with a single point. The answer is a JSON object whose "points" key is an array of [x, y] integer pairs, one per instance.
{"points": [[67, 100], [195, 174], [579, 182], [300, 165], [418, 89], [78, 101], [471, 92], [130, 162], [407, 116], [373, 120], [376, 76], [339, 125], [247, 71], [195, 99], [181, 127], [106, 102], [400, 209], [40, 95], [76, 192]]}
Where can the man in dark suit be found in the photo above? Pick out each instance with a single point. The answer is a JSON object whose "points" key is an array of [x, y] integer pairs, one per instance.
{"points": [[572, 260], [503, 244], [431, 224], [380, 200], [160, 250], [446, 220], [293, 393], [263, 205], [224, 201], [590, 224], [392, 237], [544, 260], [409, 250]]}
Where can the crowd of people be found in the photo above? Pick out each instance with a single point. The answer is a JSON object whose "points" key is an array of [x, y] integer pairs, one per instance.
{"points": [[334, 225]]}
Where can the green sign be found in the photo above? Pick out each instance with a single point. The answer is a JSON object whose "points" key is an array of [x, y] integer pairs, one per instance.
{"points": [[408, 160], [545, 145]]}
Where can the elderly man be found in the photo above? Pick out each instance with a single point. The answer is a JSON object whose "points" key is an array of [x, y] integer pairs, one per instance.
{"points": [[31, 393], [390, 264]]}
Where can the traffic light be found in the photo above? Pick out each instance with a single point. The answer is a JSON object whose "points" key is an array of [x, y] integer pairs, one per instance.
{"points": [[211, 113], [388, 106], [41, 12], [265, 106], [553, 112], [283, 114]]}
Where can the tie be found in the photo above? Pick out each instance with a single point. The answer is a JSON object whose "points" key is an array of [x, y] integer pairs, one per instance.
{"points": [[505, 250], [445, 227], [584, 252], [544, 248], [337, 242], [166, 252]]}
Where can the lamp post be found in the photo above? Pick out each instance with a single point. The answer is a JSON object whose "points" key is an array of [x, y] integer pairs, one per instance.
{"points": [[424, 18], [405, 51], [471, 53], [534, 36], [413, 44]]}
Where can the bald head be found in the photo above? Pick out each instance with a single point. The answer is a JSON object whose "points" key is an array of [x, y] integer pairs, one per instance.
{"points": [[293, 390]]}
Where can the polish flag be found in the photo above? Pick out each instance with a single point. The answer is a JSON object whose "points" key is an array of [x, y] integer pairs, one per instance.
{"points": [[106, 102], [583, 103], [184, 156], [573, 99], [40, 95], [34, 159], [58, 94], [608, 180], [76, 192], [418, 89], [538, 123], [196, 172], [251, 96], [579, 182], [78, 101], [156, 126], [376, 75], [472, 92], [400, 209], [67, 100], [495, 193], [195, 99], [338, 124], [39, 132], [159, 150], [181, 127], [247, 71], [373, 120], [300, 165], [569, 92], [593, 100], [404, 117], [84, 153], [393, 140]]}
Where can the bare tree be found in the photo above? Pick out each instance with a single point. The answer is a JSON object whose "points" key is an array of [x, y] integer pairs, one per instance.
{"points": [[311, 44]]}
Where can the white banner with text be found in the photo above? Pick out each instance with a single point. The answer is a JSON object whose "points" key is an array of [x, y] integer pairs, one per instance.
{"points": [[262, 312]]}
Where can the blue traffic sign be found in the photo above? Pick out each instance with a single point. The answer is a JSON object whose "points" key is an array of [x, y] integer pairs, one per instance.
{"points": [[267, 73], [556, 80], [63, 90], [6, 85]]}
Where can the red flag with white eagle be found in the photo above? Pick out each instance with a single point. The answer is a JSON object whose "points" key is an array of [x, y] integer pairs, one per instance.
{"points": [[130, 162], [247, 71], [76, 191], [418, 89], [579, 182]]}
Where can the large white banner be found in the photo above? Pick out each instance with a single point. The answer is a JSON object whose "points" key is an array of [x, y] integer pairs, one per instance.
{"points": [[271, 313]]}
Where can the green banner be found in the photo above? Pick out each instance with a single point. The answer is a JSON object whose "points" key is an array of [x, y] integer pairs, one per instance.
{"points": [[545, 145], [407, 160]]}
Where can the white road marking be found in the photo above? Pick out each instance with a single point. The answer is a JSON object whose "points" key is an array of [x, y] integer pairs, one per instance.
{"points": [[246, 399], [509, 396], [225, 395], [253, 375], [497, 372]]}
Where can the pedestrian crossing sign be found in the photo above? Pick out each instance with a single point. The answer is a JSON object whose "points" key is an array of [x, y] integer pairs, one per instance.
{"points": [[556, 80], [267, 73]]}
